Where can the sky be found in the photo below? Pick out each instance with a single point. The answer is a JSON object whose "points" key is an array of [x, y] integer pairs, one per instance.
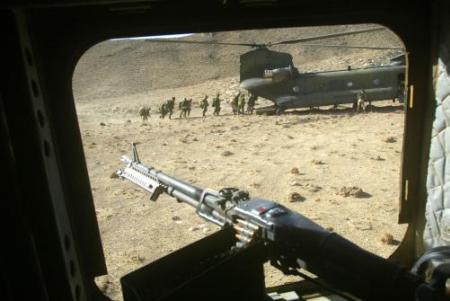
{"points": [[170, 36]]}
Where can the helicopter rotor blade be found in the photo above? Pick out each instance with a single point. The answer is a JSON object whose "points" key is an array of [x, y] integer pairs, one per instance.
{"points": [[352, 47], [286, 42], [326, 36], [203, 42]]}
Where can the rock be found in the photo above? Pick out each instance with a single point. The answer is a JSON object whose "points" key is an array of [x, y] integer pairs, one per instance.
{"points": [[138, 258], [352, 191], [105, 284], [313, 188], [114, 175], [295, 171], [317, 162], [194, 228], [176, 218], [378, 158], [296, 197], [102, 124], [388, 239], [390, 139], [227, 153], [295, 183]]}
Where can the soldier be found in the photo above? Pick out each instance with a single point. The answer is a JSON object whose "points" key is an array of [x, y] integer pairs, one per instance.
{"points": [[163, 110], [361, 102], [144, 112], [171, 106], [216, 104], [188, 107], [184, 108], [241, 104], [234, 103], [251, 104], [204, 104], [180, 108]]}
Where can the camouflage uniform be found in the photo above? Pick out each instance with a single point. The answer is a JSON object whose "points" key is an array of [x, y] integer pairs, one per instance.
{"points": [[184, 108], [171, 106], [251, 104], [241, 104], [216, 105], [144, 112], [188, 107], [204, 104], [234, 104], [180, 108], [361, 102], [163, 110]]}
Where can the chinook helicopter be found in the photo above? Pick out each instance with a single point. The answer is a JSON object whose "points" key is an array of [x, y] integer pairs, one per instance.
{"points": [[272, 75]]}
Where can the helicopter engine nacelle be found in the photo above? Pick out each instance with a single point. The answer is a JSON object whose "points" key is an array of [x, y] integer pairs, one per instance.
{"points": [[279, 74]]}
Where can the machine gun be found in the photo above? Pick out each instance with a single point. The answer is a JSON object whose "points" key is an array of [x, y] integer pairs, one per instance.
{"points": [[293, 241]]}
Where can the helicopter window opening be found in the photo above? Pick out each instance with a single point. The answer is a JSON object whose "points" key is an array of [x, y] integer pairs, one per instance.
{"points": [[318, 156]]}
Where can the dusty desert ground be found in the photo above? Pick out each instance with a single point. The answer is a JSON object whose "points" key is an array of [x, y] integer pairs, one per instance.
{"points": [[258, 153], [314, 156]]}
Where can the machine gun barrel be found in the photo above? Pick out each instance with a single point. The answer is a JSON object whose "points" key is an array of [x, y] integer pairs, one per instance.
{"points": [[181, 190], [155, 182]]}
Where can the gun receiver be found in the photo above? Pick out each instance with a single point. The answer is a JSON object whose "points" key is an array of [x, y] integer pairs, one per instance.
{"points": [[293, 241]]}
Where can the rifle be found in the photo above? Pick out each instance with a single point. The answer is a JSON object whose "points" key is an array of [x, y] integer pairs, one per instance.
{"points": [[292, 240]]}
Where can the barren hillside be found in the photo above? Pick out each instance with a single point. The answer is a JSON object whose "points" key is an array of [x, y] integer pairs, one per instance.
{"points": [[117, 68]]}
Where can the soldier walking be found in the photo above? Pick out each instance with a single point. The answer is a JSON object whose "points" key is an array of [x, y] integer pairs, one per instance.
{"points": [[204, 104], [251, 104], [170, 106], [188, 107], [144, 112], [241, 104], [184, 108], [361, 102], [234, 103], [180, 108], [163, 110], [216, 105]]}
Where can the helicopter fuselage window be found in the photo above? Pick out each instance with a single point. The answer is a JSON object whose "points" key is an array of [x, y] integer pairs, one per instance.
{"points": [[299, 143]]}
